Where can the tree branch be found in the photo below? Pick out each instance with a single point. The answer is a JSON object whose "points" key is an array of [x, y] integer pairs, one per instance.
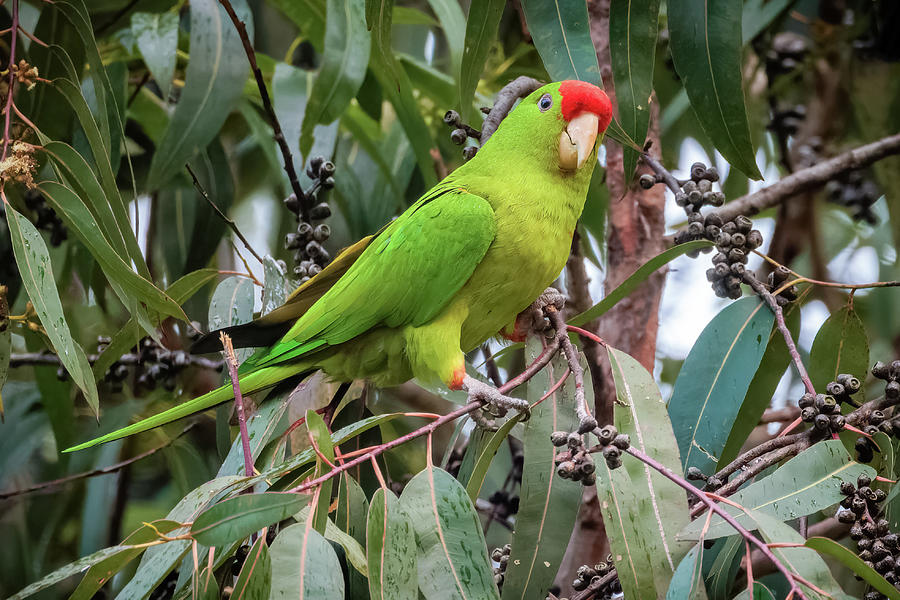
{"points": [[811, 177], [231, 361], [270, 111], [506, 98]]}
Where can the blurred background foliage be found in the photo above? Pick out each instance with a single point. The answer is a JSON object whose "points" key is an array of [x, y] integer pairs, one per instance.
{"points": [[157, 84]]}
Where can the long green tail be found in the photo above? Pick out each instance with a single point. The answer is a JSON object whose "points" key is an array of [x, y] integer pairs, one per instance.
{"points": [[251, 382]]}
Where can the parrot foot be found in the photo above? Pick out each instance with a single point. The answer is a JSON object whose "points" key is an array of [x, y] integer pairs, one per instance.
{"points": [[479, 390], [549, 297]]}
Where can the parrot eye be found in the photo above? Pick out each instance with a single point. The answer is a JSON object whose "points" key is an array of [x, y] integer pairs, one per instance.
{"points": [[545, 102]]}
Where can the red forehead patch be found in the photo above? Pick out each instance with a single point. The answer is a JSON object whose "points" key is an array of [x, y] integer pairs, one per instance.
{"points": [[580, 96]]}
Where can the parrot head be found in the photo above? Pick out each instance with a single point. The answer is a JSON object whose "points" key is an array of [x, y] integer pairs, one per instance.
{"points": [[559, 124]]}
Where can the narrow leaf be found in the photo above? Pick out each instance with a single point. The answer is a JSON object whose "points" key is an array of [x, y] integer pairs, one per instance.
{"points": [[36, 272], [852, 561], [213, 84], [255, 578], [350, 517], [806, 484], [318, 431], [714, 379], [343, 67], [636, 279], [481, 31], [633, 26], [156, 35], [641, 508], [561, 33], [705, 41], [453, 25], [390, 549], [304, 565], [759, 395], [687, 582], [841, 346], [548, 504], [238, 517], [452, 556]]}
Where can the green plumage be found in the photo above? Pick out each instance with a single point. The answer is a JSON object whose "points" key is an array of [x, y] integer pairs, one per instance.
{"points": [[452, 271]]}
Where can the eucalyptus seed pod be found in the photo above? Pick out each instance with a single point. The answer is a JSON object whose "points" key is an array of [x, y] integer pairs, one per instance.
{"points": [[681, 199], [320, 211], [574, 440], [822, 422], [622, 441], [292, 241], [806, 400], [729, 227], [452, 118], [326, 170], [566, 469], [737, 255], [719, 257], [863, 480], [847, 488], [698, 171], [712, 174], [587, 467], [713, 219], [292, 203], [322, 232], [689, 186], [738, 240], [851, 384], [328, 183], [695, 217], [647, 181], [695, 474], [722, 270], [695, 197], [808, 414], [305, 231], [316, 163], [718, 199], [695, 229], [743, 224], [704, 186], [723, 240], [469, 152], [559, 438], [738, 269], [712, 232], [611, 452], [754, 239], [846, 516], [835, 389], [711, 275], [837, 422], [876, 417], [607, 434], [892, 391], [459, 136]]}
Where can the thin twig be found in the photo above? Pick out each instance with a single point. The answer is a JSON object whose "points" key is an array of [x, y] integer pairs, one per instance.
{"points": [[228, 220], [725, 515], [47, 359], [231, 361], [12, 80], [103, 471], [270, 111], [586, 420]]}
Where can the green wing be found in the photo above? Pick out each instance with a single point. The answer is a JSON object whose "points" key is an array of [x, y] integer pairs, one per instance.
{"points": [[405, 276]]}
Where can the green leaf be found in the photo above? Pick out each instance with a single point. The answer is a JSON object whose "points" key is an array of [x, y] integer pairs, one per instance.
{"points": [[232, 304], [5, 351], [452, 556], [852, 561], [101, 572], [275, 285], [481, 31], [561, 33], [261, 426], [806, 484], [641, 508], [156, 35], [453, 25], [723, 572], [78, 218], [343, 69], [350, 517], [67, 571], [353, 550], [841, 346], [636, 279], [548, 504], [255, 578], [759, 395], [319, 433], [36, 272], [687, 581], [714, 379], [803, 561], [304, 565], [705, 42], [214, 172], [485, 456], [390, 549], [395, 84], [159, 561], [308, 16], [213, 84], [633, 26], [238, 517]]}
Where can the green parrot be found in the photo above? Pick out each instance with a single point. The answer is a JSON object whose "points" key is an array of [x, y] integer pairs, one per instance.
{"points": [[455, 269]]}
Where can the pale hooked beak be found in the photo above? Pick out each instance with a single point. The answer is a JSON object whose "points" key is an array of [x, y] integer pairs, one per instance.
{"points": [[577, 141]]}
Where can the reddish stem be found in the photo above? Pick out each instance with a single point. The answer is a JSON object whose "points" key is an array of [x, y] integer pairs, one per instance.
{"points": [[12, 79], [231, 361]]}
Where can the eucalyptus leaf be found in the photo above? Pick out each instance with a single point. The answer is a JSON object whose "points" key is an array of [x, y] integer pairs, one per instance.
{"points": [[156, 35], [561, 33], [390, 549], [255, 579], [238, 517], [841, 346], [481, 31], [304, 565]]}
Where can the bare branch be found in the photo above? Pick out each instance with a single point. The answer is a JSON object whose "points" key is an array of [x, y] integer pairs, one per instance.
{"points": [[506, 98], [231, 361]]}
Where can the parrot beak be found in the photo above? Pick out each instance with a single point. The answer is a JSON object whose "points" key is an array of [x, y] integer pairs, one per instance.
{"points": [[576, 143]]}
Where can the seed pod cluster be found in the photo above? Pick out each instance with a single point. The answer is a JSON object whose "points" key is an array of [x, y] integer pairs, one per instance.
{"points": [[877, 419], [310, 256], [588, 575], [613, 444], [501, 556], [735, 240], [575, 461], [45, 217], [877, 545], [823, 411], [712, 483], [856, 192], [461, 132]]}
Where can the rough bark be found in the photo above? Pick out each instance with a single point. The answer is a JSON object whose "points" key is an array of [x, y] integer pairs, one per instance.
{"points": [[635, 234]]}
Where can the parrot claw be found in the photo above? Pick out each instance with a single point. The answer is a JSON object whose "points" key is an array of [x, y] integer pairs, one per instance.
{"points": [[549, 297], [479, 390]]}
